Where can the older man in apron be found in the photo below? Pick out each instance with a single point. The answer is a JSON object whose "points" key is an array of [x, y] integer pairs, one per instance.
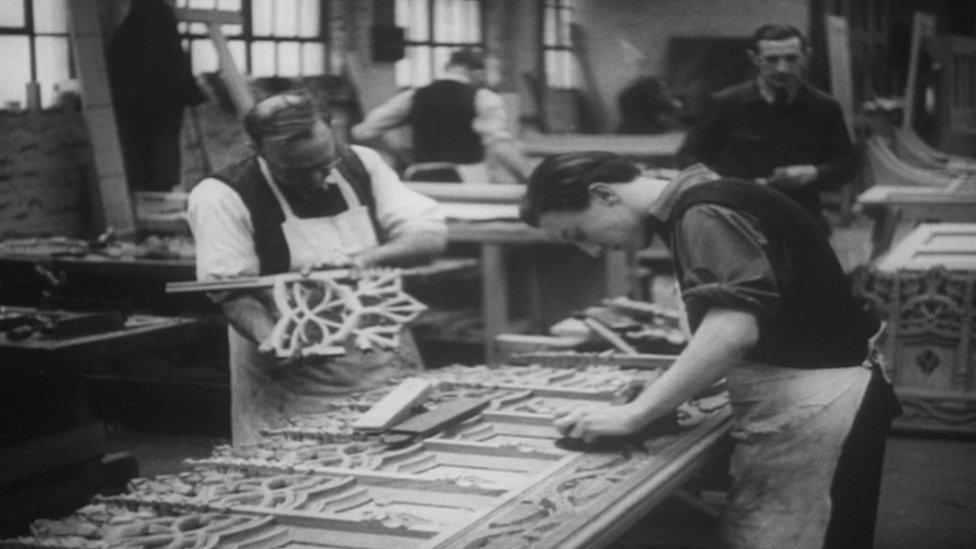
{"points": [[301, 202]]}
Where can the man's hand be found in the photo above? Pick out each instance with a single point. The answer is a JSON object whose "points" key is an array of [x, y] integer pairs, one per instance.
{"points": [[793, 177], [338, 261], [588, 424], [267, 350]]}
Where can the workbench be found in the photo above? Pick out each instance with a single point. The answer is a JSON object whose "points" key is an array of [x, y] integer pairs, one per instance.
{"points": [[500, 479], [658, 150], [52, 443], [548, 280]]}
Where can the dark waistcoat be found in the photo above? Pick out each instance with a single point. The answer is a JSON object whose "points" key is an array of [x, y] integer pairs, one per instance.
{"points": [[819, 322], [441, 117]]}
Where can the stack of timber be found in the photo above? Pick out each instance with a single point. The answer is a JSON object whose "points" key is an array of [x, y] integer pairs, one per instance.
{"points": [[498, 479]]}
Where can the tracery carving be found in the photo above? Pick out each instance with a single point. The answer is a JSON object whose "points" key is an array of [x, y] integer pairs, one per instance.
{"points": [[932, 304], [320, 312]]}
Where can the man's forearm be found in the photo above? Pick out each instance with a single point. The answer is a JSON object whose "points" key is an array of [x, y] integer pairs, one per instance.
{"points": [[721, 342], [249, 315], [406, 249], [512, 159]]}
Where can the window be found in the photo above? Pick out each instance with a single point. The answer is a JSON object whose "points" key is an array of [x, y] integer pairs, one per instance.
{"points": [[35, 46], [557, 46], [278, 37], [434, 29]]}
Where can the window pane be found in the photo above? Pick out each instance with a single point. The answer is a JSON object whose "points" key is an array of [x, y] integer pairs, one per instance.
{"points": [[308, 18], [414, 68], [286, 18], [289, 59], [231, 30], [412, 15], [50, 16], [262, 17], [238, 50], [202, 4], [263, 58], [53, 65], [471, 21], [12, 13], [229, 5], [15, 68], [441, 55], [204, 56], [313, 59]]}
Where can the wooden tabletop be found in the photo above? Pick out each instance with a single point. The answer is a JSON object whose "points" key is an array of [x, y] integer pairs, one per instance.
{"points": [[664, 145]]}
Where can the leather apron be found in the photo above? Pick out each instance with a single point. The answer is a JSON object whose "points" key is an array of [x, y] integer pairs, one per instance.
{"points": [[264, 395], [789, 426]]}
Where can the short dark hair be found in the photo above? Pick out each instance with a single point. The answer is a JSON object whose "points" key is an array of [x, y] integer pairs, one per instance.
{"points": [[776, 32], [562, 183], [468, 57]]}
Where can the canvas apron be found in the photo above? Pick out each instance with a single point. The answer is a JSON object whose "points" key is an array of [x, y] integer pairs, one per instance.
{"points": [[789, 426], [264, 396]]}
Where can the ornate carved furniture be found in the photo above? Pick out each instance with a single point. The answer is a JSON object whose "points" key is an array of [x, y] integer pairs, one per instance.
{"points": [[925, 289]]}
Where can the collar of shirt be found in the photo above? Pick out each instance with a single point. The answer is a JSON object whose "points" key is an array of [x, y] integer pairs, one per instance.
{"points": [[661, 209], [764, 93]]}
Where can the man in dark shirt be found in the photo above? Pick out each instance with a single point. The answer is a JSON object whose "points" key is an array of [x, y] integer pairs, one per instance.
{"points": [[772, 312], [776, 129]]}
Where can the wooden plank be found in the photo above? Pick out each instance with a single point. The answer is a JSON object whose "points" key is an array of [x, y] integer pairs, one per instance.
{"points": [[113, 206], [395, 405], [237, 87], [841, 76]]}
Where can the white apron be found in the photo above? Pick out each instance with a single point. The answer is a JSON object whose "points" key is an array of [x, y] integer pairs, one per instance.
{"points": [[790, 427], [264, 396]]}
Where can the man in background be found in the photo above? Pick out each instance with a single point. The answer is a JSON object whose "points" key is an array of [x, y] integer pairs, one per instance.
{"points": [[456, 122], [776, 129]]}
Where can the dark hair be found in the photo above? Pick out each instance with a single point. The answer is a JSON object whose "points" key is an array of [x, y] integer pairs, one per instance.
{"points": [[562, 183], [286, 115], [468, 57], [776, 32]]}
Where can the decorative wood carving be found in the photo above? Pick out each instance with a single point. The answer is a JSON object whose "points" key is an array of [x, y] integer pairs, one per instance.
{"points": [[495, 480], [929, 343], [319, 312]]}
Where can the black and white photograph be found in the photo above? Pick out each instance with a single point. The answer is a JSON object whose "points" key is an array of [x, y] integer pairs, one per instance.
{"points": [[488, 274]]}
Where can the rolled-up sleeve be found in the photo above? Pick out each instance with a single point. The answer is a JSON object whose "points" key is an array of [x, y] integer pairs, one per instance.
{"points": [[387, 116], [724, 263], [222, 232], [491, 120], [399, 210]]}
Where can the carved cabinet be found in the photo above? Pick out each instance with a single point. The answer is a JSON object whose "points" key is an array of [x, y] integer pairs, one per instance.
{"points": [[924, 290]]}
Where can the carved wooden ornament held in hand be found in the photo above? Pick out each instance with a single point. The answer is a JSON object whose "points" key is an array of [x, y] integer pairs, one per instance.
{"points": [[320, 312]]}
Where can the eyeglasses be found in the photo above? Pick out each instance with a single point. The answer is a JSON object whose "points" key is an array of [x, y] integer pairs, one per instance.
{"points": [[293, 172]]}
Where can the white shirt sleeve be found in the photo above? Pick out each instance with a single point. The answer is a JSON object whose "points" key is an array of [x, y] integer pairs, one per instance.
{"points": [[387, 116], [399, 210], [222, 232], [491, 121]]}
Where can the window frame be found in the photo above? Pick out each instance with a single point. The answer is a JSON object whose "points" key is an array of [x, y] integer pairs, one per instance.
{"points": [[559, 9], [435, 66], [29, 31], [248, 38]]}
